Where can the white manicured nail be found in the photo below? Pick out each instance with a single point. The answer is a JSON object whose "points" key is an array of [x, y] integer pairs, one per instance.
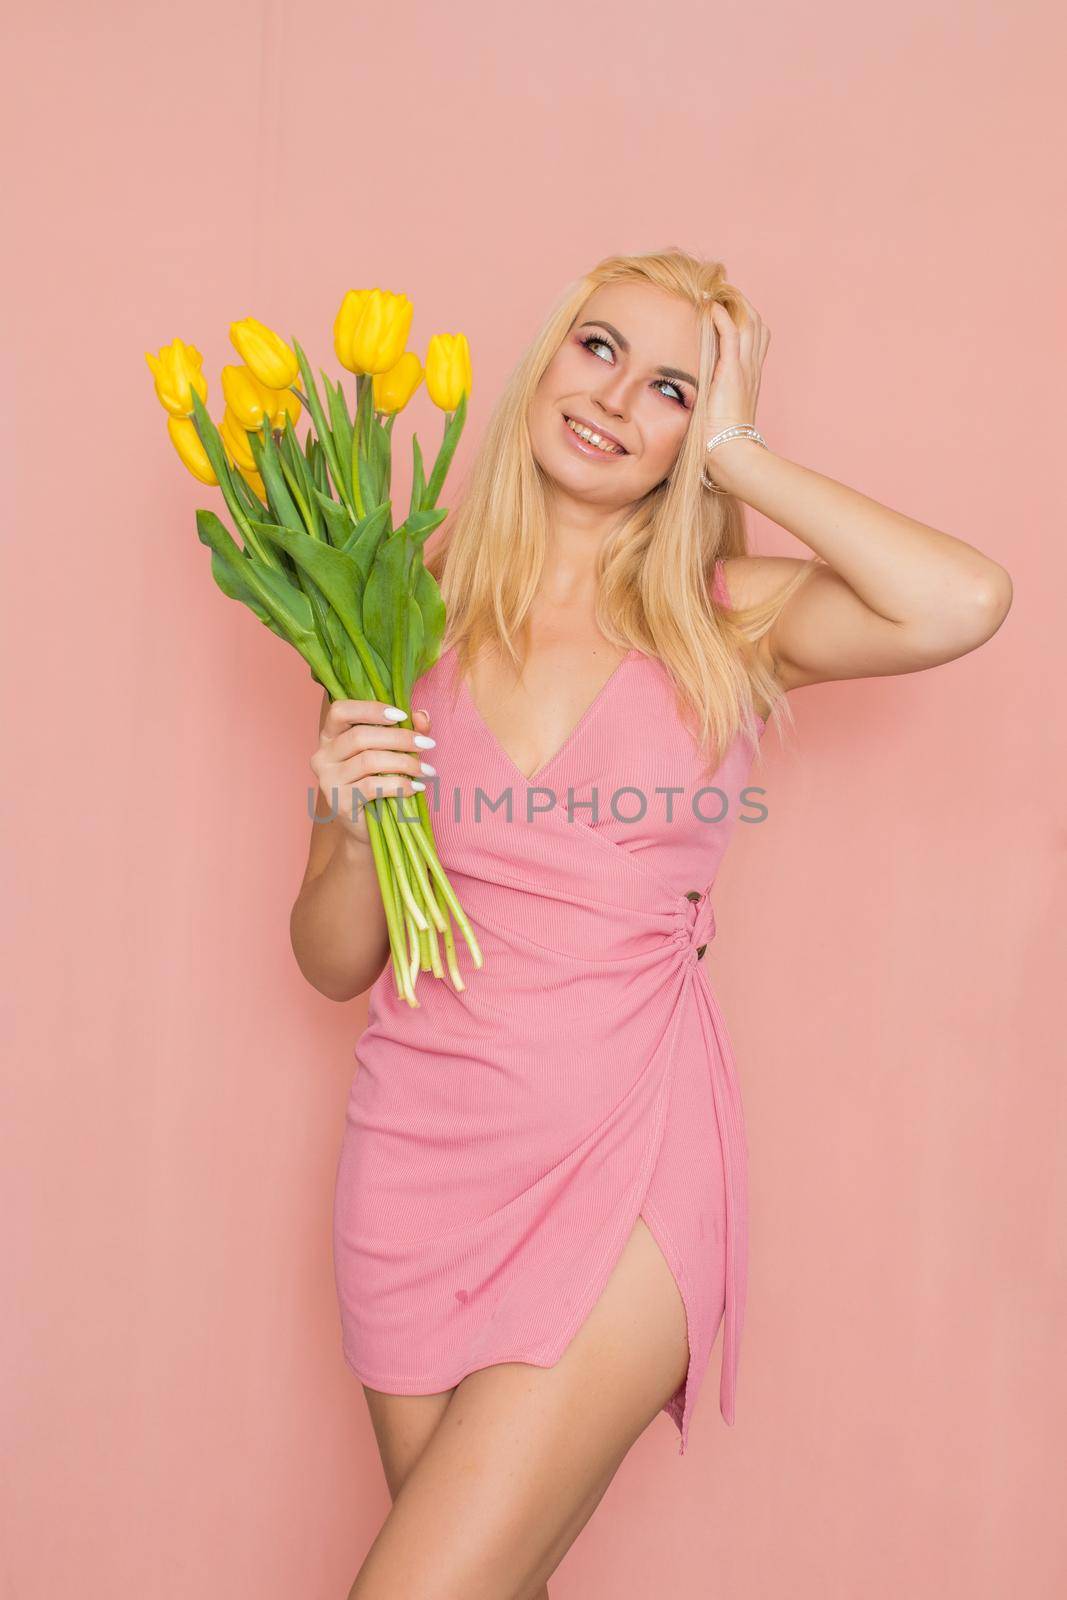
{"points": [[394, 714], [423, 741], [415, 784], [424, 766]]}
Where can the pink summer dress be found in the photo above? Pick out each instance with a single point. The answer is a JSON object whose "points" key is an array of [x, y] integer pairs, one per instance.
{"points": [[501, 1142]]}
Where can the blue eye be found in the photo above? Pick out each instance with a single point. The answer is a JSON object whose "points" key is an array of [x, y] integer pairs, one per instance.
{"points": [[600, 338]]}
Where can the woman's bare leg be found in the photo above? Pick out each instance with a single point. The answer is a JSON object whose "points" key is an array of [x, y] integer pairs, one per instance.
{"points": [[521, 1455], [403, 1426]]}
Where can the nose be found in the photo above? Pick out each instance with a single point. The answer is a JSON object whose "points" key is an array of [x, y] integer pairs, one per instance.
{"points": [[610, 395]]}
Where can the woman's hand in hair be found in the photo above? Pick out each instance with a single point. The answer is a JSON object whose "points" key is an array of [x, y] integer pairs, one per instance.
{"points": [[735, 383]]}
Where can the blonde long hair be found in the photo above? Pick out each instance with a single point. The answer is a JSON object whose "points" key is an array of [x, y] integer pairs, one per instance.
{"points": [[655, 569]]}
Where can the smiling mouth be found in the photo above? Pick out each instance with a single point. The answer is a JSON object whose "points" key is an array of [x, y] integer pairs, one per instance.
{"points": [[591, 441]]}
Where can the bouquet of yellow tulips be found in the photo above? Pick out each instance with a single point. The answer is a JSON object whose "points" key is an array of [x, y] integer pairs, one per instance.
{"points": [[319, 561]]}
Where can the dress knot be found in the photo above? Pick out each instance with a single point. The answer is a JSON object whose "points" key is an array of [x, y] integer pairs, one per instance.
{"points": [[695, 923]]}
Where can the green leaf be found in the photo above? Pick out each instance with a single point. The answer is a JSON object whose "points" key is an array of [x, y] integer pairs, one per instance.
{"points": [[414, 646], [423, 523], [310, 520], [209, 437], [326, 442], [365, 539], [288, 602], [418, 477], [321, 610], [340, 524], [432, 608], [342, 429], [336, 575], [265, 452], [235, 584], [211, 440], [266, 592], [318, 462], [381, 668], [345, 659], [299, 478], [383, 594], [381, 457], [248, 497]]}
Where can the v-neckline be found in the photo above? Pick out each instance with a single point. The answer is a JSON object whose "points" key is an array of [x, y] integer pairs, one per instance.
{"points": [[545, 766]]}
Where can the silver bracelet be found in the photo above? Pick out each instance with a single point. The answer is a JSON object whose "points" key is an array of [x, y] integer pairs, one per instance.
{"points": [[741, 431]]}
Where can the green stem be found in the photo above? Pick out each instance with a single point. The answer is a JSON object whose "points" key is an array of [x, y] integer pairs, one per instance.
{"points": [[453, 962], [400, 628], [356, 492], [406, 825], [400, 863], [393, 919], [454, 421], [414, 949], [450, 896], [432, 956]]}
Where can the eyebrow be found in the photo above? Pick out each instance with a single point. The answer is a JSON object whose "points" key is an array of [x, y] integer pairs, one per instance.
{"points": [[624, 344]]}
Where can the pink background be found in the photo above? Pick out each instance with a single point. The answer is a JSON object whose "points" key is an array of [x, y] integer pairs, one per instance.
{"points": [[885, 187]]}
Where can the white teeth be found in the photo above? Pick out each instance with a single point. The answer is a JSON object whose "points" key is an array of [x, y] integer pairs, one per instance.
{"points": [[594, 438]]}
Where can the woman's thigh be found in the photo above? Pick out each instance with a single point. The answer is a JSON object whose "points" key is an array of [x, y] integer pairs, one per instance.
{"points": [[522, 1454], [403, 1426]]}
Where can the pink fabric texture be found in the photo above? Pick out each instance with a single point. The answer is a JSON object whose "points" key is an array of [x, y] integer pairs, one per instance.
{"points": [[501, 1142]]}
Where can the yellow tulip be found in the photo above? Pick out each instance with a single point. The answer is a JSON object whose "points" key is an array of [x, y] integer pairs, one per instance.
{"points": [[283, 401], [235, 438], [246, 398], [393, 389], [250, 401], [448, 369], [345, 325], [186, 441], [177, 368], [254, 481], [270, 358], [380, 332]]}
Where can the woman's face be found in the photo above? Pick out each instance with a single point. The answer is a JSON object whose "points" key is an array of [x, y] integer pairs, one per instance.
{"points": [[627, 370]]}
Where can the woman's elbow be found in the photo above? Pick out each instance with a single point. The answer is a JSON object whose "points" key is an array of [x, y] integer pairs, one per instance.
{"points": [[994, 599]]}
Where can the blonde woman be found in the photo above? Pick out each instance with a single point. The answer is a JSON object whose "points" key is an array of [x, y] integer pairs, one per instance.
{"points": [[540, 1214]]}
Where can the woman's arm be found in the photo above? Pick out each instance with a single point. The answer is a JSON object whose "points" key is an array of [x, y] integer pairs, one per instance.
{"points": [[893, 596]]}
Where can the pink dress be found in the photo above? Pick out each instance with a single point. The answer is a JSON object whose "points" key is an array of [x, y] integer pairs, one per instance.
{"points": [[501, 1142]]}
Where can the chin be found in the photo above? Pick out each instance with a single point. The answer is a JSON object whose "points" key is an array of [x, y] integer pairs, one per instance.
{"points": [[564, 477]]}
